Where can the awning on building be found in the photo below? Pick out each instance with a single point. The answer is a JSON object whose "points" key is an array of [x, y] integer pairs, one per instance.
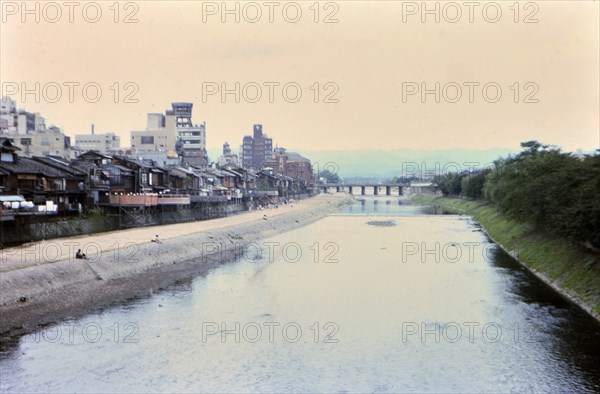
{"points": [[11, 198]]}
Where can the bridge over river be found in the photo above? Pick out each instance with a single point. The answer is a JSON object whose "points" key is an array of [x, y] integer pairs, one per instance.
{"points": [[375, 188], [421, 303]]}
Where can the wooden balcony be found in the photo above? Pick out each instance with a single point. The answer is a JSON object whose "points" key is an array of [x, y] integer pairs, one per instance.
{"points": [[133, 199], [198, 199], [175, 199]]}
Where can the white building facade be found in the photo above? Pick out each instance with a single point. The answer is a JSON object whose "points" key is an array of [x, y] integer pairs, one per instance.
{"points": [[28, 131], [103, 143]]}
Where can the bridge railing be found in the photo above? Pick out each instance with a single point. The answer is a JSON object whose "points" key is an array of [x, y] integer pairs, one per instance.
{"points": [[362, 185]]}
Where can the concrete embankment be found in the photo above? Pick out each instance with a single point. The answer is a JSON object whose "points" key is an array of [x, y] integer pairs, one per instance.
{"points": [[33, 228], [42, 282], [569, 270]]}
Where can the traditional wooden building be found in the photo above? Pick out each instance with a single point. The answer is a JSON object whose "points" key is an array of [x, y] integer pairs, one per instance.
{"points": [[41, 179]]}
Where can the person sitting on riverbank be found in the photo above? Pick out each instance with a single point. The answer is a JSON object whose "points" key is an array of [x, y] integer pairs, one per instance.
{"points": [[80, 255], [157, 240]]}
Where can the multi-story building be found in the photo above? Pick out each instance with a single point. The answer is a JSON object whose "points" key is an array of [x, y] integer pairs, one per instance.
{"points": [[291, 164], [160, 135], [246, 152], [191, 138], [256, 149], [171, 134], [278, 161], [28, 131], [298, 166], [14, 121], [43, 143], [228, 157], [103, 143], [8, 105]]}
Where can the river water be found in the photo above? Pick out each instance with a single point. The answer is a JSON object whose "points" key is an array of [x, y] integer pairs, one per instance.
{"points": [[381, 297]]}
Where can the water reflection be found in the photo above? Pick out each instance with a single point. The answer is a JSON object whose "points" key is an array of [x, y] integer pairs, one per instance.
{"points": [[388, 206], [569, 333], [405, 302]]}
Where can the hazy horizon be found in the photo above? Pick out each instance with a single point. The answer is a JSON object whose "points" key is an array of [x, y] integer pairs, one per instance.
{"points": [[364, 67], [235, 146]]}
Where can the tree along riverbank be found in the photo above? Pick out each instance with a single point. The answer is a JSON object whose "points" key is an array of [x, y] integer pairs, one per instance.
{"points": [[568, 269]]}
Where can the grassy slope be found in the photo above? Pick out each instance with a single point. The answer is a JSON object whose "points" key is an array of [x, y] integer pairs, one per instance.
{"points": [[572, 271]]}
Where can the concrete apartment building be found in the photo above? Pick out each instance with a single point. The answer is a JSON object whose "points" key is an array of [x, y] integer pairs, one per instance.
{"points": [[246, 151], [172, 134], [160, 134], [191, 144], [28, 131], [13, 121], [228, 157], [256, 149], [103, 142]]}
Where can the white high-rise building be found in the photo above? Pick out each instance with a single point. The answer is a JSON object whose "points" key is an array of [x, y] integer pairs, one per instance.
{"points": [[28, 131], [191, 143], [174, 134]]}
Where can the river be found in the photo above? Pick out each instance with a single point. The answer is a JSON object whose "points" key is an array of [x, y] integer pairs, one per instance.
{"points": [[380, 297]]}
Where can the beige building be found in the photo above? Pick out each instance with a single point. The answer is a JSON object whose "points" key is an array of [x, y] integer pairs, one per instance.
{"points": [[102, 143], [422, 188], [174, 134], [42, 143], [228, 157], [160, 135], [28, 131], [14, 121]]}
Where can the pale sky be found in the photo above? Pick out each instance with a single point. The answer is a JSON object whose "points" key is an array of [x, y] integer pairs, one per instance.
{"points": [[171, 54]]}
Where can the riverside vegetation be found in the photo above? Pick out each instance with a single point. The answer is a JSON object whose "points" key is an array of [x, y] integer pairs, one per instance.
{"points": [[543, 206]]}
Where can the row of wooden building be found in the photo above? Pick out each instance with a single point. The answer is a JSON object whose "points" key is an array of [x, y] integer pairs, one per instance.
{"points": [[47, 185]]}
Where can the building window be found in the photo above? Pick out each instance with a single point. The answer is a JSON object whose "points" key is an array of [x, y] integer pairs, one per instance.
{"points": [[45, 141], [25, 141], [7, 157], [147, 140]]}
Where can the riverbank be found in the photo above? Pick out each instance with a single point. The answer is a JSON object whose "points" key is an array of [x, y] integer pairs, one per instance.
{"points": [[33, 228], [42, 282], [570, 271]]}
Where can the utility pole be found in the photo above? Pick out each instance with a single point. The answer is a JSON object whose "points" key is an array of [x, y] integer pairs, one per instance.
{"points": [[119, 200]]}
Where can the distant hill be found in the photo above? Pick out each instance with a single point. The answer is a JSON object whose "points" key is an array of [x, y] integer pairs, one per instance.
{"points": [[365, 163], [371, 163]]}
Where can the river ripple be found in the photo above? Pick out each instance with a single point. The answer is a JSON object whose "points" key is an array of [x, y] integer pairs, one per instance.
{"points": [[353, 303]]}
